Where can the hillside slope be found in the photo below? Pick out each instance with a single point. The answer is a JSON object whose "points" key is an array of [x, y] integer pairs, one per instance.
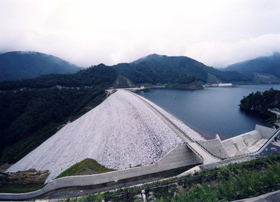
{"points": [[32, 109], [119, 133], [181, 70], [261, 70], [25, 65]]}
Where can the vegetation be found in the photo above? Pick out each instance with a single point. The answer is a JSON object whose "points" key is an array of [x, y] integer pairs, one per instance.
{"points": [[122, 82], [258, 103], [24, 65], [93, 76], [260, 70], [155, 69], [232, 182], [20, 188], [33, 110], [22, 181], [87, 164]]}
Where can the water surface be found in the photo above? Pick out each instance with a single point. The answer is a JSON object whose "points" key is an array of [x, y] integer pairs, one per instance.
{"points": [[213, 110]]}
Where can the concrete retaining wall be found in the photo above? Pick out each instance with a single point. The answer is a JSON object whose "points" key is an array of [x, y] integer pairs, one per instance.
{"points": [[265, 132], [215, 147], [239, 144], [179, 157]]}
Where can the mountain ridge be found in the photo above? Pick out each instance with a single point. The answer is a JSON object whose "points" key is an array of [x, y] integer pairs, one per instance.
{"points": [[156, 68], [25, 123], [18, 65], [265, 69]]}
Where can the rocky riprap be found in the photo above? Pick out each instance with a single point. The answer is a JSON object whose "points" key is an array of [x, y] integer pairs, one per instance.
{"points": [[120, 133], [30, 176]]}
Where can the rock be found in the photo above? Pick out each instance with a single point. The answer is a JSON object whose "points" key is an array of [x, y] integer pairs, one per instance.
{"points": [[30, 176], [121, 132]]}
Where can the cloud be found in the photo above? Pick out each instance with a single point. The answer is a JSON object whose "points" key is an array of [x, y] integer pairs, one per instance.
{"points": [[87, 33], [219, 54]]}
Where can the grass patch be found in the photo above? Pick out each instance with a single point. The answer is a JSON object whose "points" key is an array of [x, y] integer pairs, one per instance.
{"points": [[90, 164], [20, 188]]}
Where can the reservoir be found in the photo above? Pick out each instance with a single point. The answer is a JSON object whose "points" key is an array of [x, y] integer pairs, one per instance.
{"points": [[214, 110]]}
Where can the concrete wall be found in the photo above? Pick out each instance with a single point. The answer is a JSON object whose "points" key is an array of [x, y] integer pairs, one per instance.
{"points": [[239, 144], [179, 157], [265, 131], [215, 147]]}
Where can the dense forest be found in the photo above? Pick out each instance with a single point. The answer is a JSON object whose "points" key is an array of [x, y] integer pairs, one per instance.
{"points": [[33, 110], [157, 69], [92, 76], [258, 103]]}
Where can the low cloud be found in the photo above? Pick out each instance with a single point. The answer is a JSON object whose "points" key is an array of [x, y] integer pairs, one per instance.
{"points": [[219, 54], [217, 33]]}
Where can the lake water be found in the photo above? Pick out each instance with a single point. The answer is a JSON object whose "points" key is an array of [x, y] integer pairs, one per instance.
{"points": [[213, 110]]}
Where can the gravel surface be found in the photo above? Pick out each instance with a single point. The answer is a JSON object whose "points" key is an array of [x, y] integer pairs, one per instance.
{"points": [[190, 132], [119, 133]]}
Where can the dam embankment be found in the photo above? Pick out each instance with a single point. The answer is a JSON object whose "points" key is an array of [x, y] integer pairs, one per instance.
{"points": [[120, 133], [173, 163], [182, 156]]}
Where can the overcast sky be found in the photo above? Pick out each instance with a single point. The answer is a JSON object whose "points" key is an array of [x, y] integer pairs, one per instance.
{"points": [[89, 32]]}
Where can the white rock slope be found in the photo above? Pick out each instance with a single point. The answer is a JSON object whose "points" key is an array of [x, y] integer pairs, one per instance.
{"points": [[119, 133]]}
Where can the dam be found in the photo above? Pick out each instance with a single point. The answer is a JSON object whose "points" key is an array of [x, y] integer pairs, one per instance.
{"points": [[177, 148]]}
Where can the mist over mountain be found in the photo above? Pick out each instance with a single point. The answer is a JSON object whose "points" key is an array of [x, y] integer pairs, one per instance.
{"points": [[24, 65], [260, 70]]}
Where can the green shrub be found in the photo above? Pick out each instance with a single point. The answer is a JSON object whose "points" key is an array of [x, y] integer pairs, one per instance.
{"points": [[85, 164]]}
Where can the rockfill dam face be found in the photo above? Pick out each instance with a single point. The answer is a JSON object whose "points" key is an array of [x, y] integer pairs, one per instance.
{"points": [[120, 133]]}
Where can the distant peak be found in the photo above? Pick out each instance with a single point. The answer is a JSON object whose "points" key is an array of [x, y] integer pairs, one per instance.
{"points": [[154, 56], [101, 65], [150, 57]]}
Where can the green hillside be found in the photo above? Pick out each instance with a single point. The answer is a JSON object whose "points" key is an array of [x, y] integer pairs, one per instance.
{"points": [[163, 69], [33, 110], [25, 65], [260, 70]]}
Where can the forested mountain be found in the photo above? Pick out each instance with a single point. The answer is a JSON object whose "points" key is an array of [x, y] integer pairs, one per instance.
{"points": [[25, 65], [33, 110], [163, 69], [93, 76], [260, 70]]}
